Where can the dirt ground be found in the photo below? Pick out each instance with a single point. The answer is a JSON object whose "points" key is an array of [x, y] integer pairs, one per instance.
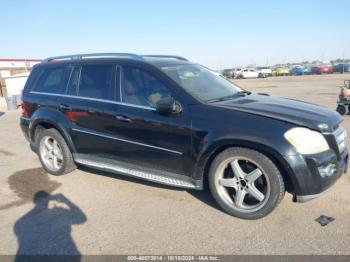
{"points": [[98, 213]]}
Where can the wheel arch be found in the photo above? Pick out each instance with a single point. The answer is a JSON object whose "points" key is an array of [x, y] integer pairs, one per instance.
{"points": [[51, 119], [207, 158]]}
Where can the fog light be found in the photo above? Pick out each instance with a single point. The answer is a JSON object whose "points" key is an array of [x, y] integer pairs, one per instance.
{"points": [[327, 171]]}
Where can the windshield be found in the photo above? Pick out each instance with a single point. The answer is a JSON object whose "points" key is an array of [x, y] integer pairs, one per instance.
{"points": [[201, 82]]}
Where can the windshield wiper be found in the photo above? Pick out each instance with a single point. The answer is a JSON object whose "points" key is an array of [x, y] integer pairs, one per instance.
{"points": [[243, 92], [219, 99]]}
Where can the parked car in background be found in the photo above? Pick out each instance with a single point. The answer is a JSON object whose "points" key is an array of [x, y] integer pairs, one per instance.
{"points": [[228, 73], [322, 69], [248, 73], [264, 71], [281, 71], [341, 68], [300, 70], [236, 72]]}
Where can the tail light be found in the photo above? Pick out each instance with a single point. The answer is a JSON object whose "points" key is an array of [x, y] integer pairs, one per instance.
{"points": [[25, 109]]}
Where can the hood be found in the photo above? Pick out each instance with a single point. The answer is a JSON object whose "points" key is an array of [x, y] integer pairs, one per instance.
{"points": [[289, 110]]}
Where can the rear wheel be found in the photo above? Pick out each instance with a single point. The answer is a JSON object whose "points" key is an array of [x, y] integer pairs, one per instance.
{"points": [[54, 153], [245, 183], [341, 109]]}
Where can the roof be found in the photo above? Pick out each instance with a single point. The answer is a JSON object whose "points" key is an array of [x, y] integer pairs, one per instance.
{"points": [[157, 60]]}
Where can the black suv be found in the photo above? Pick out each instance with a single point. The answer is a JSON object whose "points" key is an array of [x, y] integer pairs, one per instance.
{"points": [[167, 120]]}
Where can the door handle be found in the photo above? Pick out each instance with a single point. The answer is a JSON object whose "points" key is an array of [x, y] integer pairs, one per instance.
{"points": [[123, 118], [64, 107]]}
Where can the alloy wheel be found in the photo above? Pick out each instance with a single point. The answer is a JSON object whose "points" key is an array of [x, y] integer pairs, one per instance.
{"points": [[242, 184], [51, 153]]}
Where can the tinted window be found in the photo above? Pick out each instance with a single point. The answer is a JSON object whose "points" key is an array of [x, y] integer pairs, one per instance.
{"points": [[142, 88], [96, 81], [52, 80], [74, 82]]}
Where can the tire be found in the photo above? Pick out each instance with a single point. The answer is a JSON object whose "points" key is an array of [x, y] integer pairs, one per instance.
{"points": [[341, 110], [52, 145], [263, 176]]}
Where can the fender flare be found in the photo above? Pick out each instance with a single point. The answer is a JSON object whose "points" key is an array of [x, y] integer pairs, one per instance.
{"points": [[203, 164], [55, 119]]}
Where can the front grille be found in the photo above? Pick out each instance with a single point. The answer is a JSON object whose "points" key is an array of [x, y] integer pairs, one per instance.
{"points": [[341, 138]]}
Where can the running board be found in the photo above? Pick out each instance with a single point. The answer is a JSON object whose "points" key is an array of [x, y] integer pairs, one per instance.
{"points": [[129, 170]]}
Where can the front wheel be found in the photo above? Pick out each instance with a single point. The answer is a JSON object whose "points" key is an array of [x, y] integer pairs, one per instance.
{"points": [[245, 183]]}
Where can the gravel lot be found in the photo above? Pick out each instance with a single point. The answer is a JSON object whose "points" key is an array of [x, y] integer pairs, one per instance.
{"points": [[99, 213]]}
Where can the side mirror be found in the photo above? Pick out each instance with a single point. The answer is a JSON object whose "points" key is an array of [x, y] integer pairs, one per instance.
{"points": [[168, 105]]}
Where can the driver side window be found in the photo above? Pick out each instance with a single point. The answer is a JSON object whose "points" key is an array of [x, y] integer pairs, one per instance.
{"points": [[141, 88]]}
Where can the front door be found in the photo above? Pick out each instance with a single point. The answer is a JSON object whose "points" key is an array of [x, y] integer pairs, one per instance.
{"points": [[150, 139]]}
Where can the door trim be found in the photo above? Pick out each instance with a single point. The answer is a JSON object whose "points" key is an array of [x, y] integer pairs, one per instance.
{"points": [[94, 99], [124, 140]]}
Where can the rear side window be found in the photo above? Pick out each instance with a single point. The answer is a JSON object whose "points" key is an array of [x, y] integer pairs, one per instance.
{"points": [[52, 80], [96, 81]]}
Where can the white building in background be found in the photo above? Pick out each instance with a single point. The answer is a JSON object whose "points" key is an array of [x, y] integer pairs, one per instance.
{"points": [[15, 83], [13, 75], [14, 66], [17, 63]]}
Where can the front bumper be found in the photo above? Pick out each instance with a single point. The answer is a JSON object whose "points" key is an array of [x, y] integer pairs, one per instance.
{"points": [[313, 175]]}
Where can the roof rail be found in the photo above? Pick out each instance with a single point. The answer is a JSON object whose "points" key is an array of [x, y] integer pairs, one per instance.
{"points": [[167, 56], [93, 55]]}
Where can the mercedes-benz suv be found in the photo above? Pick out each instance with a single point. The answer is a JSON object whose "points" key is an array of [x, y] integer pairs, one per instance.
{"points": [[171, 121]]}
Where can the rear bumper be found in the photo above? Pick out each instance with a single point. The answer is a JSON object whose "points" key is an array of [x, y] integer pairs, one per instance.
{"points": [[313, 175], [24, 123]]}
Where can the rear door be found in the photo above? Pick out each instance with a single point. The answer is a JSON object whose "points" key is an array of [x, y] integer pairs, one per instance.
{"points": [[89, 104], [245, 73], [253, 73]]}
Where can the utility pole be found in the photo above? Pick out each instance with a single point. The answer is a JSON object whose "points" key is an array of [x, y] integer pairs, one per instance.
{"points": [[343, 61]]}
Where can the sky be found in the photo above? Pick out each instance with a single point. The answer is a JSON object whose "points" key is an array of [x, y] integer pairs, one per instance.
{"points": [[218, 34]]}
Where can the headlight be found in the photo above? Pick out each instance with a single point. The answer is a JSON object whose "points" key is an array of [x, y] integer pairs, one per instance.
{"points": [[306, 141]]}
